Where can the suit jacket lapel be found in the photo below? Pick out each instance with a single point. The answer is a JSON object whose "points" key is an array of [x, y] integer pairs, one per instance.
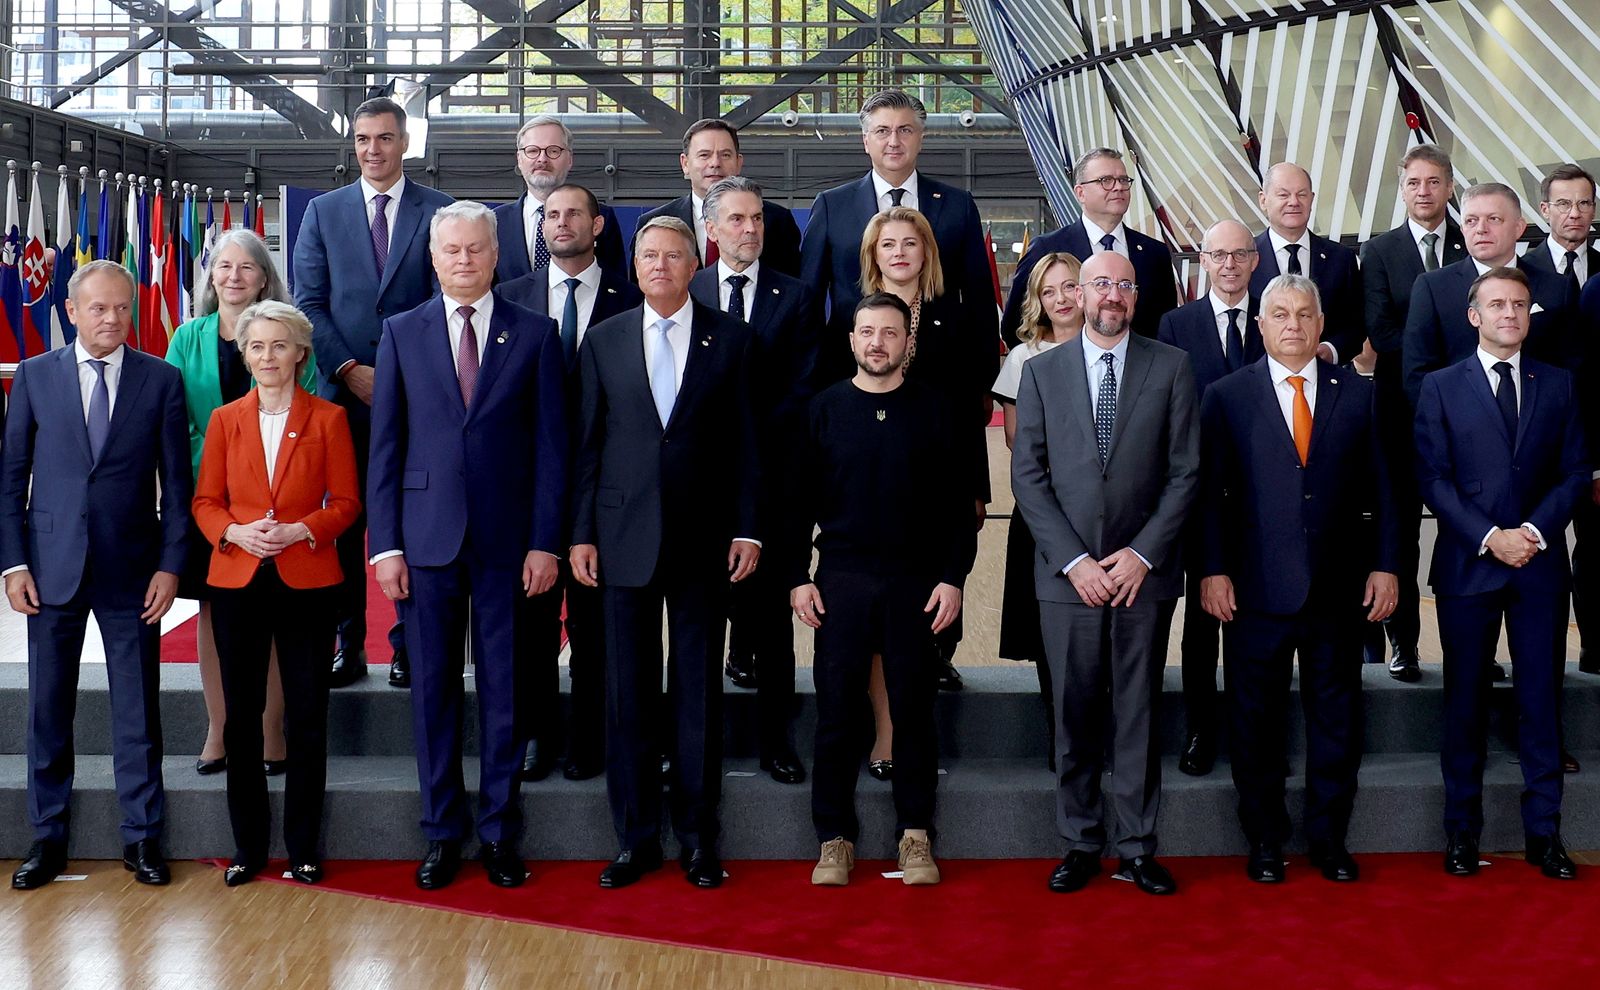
{"points": [[356, 218], [866, 198], [1266, 259], [1271, 412], [1526, 408], [607, 300], [701, 343], [1454, 248], [406, 219], [930, 196], [1328, 393], [128, 390], [1135, 370], [293, 430], [632, 344], [436, 345], [768, 298], [250, 436], [1077, 390], [496, 350], [541, 295], [1077, 242], [67, 370], [703, 287], [1480, 388]]}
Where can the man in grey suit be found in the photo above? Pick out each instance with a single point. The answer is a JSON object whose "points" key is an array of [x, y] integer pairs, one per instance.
{"points": [[1104, 466]]}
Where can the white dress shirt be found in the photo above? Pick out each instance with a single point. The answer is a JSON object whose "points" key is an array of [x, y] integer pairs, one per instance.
{"points": [[1489, 361], [391, 209], [882, 187], [1418, 232], [1095, 369], [1558, 254], [272, 427], [725, 291], [1119, 235], [1285, 392], [697, 222], [588, 291], [482, 309], [1220, 308], [678, 337], [1279, 250]]}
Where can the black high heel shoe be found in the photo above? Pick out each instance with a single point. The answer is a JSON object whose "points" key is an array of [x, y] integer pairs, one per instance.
{"points": [[307, 873], [240, 872], [881, 769], [206, 768]]}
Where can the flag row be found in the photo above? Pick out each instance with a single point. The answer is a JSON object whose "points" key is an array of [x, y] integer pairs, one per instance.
{"points": [[161, 232]]}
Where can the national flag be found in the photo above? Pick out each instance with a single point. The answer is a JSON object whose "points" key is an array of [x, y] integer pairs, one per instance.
{"points": [[34, 271], [61, 331], [994, 266], [209, 239], [197, 238], [130, 252], [158, 320], [185, 257], [67, 264], [170, 279], [85, 252], [1027, 239], [261, 218], [103, 229], [10, 283], [227, 210], [249, 221]]}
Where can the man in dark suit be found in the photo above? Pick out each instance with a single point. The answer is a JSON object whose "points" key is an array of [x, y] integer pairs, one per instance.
{"points": [[1293, 467], [711, 154], [1289, 247], [892, 125], [362, 256], [544, 158], [467, 500], [1501, 461], [782, 315], [1104, 188], [1566, 201], [1104, 464], [665, 507], [1220, 335], [1390, 265], [575, 288], [96, 439]]}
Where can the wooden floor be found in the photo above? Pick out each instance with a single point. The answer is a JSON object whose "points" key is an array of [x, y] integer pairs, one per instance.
{"points": [[107, 931]]}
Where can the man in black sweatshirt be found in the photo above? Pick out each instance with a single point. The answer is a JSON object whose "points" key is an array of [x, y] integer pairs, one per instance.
{"points": [[893, 508]]}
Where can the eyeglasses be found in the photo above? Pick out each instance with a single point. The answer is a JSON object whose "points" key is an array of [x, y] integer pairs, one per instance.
{"points": [[551, 153], [1106, 285], [1239, 257], [1565, 206], [903, 132], [1110, 182]]}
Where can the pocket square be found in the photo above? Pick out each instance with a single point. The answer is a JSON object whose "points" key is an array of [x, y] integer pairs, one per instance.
{"points": [[1536, 309]]}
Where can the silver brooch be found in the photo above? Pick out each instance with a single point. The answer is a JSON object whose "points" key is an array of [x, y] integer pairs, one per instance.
{"points": [[882, 415]]}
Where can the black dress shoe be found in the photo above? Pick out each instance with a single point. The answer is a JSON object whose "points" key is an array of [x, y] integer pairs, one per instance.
{"points": [[1404, 666], [1199, 755], [1497, 672], [274, 768], [881, 769], [702, 868], [1461, 855], [1550, 856], [949, 677], [206, 768], [440, 866], [504, 866], [785, 769], [741, 670], [400, 670], [1074, 871], [1335, 862], [1265, 863], [240, 872], [583, 768], [309, 872], [535, 764], [1569, 763], [630, 866], [144, 860], [1149, 875], [348, 667], [47, 858]]}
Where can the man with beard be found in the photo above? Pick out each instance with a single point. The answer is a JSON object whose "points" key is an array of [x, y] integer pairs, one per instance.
{"points": [[544, 157], [877, 448], [1104, 466]]}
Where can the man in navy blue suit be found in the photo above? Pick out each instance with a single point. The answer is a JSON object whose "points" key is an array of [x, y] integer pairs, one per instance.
{"points": [[892, 125], [711, 154], [1288, 247], [98, 431], [544, 159], [1501, 462], [578, 293], [362, 256], [782, 313], [1291, 468], [467, 499], [665, 514], [1105, 189], [1220, 335]]}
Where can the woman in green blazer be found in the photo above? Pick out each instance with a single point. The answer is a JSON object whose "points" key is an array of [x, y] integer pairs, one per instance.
{"points": [[241, 273]]}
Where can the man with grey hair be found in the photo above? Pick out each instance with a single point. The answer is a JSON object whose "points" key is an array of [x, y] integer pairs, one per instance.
{"points": [[665, 514], [1288, 247], [467, 497], [1104, 188], [892, 126], [544, 159], [92, 526], [1292, 567], [782, 315]]}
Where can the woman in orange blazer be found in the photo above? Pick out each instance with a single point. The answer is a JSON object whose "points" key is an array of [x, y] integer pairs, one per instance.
{"points": [[277, 484]]}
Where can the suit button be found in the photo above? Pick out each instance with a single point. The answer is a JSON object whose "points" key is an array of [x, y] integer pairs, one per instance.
{"points": [[380, 310], [374, 343], [1308, 498]]}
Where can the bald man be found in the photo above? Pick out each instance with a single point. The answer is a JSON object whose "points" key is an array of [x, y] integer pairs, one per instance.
{"points": [[1288, 247]]}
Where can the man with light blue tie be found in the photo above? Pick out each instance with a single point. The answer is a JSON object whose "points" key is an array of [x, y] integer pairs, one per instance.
{"points": [[362, 256]]}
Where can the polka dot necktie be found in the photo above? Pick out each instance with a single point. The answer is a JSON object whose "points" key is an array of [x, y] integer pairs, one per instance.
{"points": [[1105, 407], [541, 251], [736, 297]]}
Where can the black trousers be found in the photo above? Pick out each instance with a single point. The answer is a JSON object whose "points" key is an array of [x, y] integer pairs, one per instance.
{"points": [[760, 626], [1399, 448], [1586, 573], [1259, 658], [637, 714], [871, 614], [585, 732], [248, 621], [1199, 647], [350, 600]]}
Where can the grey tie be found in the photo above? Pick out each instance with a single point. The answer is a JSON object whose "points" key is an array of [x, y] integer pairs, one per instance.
{"points": [[99, 411], [736, 297], [1105, 407], [1430, 252]]}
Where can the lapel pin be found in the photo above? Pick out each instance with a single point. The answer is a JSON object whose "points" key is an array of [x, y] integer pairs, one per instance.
{"points": [[1323, 255], [292, 434], [705, 341], [882, 415], [774, 291], [1333, 381], [500, 339], [938, 195], [1138, 247], [611, 291]]}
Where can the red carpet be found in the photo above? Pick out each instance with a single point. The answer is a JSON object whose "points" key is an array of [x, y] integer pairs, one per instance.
{"points": [[995, 924]]}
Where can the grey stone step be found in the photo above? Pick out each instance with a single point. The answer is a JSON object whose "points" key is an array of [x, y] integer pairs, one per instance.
{"points": [[987, 809], [998, 716]]}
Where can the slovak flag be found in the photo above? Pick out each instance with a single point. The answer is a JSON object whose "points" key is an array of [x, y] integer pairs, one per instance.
{"points": [[10, 283]]}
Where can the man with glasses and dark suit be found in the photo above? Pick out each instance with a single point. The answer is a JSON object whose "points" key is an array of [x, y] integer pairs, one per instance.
{"points": [[544, 158]]}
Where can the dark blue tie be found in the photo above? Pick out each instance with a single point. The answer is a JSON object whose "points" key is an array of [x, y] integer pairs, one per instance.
{"points": [[1506, 397], [99, 411], [1108, 242], [1234, 352], [1294, 259], [1105, 407], [541, 251], [736, 297], [569, 321]]}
